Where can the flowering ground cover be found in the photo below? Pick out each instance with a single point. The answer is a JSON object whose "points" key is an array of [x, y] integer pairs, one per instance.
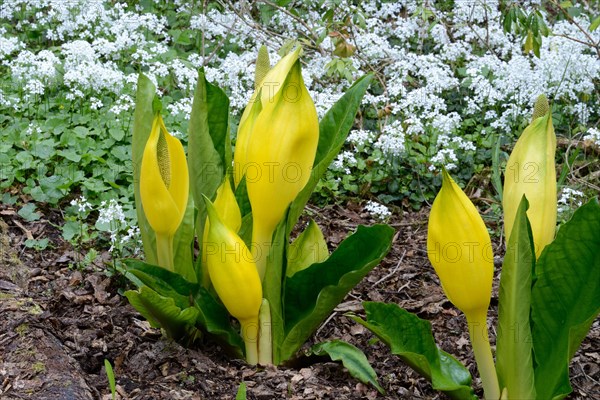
{"points": [[454, 84]]}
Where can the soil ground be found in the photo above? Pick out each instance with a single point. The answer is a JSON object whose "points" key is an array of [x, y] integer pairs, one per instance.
{"points": [[58, 325]]}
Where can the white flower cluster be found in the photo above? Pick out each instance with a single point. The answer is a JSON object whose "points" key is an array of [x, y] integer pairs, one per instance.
{"points": [[111, 214], [434, 76], [361, 138], [391, 141], [344, 161], [82, 204], [570, 199], [593, 135], [378, 211]]}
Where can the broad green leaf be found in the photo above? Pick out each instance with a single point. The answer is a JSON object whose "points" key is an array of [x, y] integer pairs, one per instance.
{"points": [[241, 393], [352, 358], [309, 247], [162, 312], [214, 318], [410, 338], [272, 286], [333, 130], [183, 245], [142, 125], [162, 281], [514, 350], [565, 299], [209, 148], [313, 293]]}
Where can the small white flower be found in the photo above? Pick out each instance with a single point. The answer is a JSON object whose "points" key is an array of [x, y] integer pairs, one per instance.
{"points": [[378, 211]]}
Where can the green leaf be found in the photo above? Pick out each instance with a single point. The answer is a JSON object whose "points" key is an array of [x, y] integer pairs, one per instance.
{"points": [[241, 393], [410, 338], [309, 247], [183, 244], [214, 318], [352, 358], [209, 148], [514, 354], [333, 130], [565, 299], [241, 196], [111, 378], [162, 281], [161, 311], [313, 293], [28, 213], [595, 23], [509, 17], [496, 174], [272, 288], [142, 125]]}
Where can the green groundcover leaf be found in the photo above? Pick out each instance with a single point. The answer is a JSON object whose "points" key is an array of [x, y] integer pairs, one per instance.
{"points": [[162, 312], [565, 299], [411, 339], [352, 358], [313, 293], [514, 350]]}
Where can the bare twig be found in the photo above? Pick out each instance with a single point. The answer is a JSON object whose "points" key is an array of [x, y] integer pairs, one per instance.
{"points": [[392, 272], [591, 43]]}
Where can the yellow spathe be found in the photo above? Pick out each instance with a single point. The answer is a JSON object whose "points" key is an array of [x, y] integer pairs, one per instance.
{"points": [[229, 213], [164, 180], [460, 249], [232, 269], [531, 171], [276, 148]]}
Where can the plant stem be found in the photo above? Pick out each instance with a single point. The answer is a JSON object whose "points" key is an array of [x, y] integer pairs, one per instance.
{"points": [[164, 251], [250, 336], [265, 343], [261, 247], [483, 353]]}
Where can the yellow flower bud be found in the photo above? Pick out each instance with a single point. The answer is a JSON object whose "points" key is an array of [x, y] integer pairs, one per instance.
{"points": [[234, 276], [232, 269], [531, 171], [267, 83], [460, 249], [229, 213], [279, 137]]}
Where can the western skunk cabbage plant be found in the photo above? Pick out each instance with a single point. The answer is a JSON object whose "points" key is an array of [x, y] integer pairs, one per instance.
{"points": [[229, 241], [460, 250], [547, 300], [531, 171]]}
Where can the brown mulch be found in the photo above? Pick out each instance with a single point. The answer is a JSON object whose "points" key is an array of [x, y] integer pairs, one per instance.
{"points": [[58, 325]]}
